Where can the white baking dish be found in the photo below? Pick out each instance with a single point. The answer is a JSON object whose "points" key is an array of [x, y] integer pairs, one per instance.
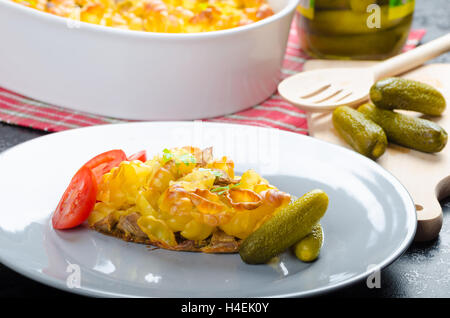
{"points": [[141, 75]]}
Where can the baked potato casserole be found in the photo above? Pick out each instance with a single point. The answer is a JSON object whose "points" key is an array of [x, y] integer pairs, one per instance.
{"points": [[182, 199], [169, 16]]}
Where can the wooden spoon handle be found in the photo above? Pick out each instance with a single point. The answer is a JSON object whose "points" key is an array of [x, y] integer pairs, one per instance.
{"points": [[411, 59]]}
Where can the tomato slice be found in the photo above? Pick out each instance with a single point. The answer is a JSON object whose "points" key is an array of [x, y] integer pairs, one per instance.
{"points": [[104, 162], [77, 201], [141, 155]]}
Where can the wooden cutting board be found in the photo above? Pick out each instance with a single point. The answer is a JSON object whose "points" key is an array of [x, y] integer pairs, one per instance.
{"points": [[425, 176]]}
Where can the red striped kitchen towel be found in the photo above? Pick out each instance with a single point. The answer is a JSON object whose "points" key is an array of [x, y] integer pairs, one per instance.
{"points": [[274, 112]]}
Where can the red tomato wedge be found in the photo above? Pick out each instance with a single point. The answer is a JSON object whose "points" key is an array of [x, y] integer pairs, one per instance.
{"points": [[141, 155], [103, 163], [77, 201], [79, 198]]}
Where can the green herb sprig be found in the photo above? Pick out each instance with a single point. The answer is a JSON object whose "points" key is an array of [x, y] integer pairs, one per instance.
{"points": [[222, 190], [186, 158], [214, 172]]}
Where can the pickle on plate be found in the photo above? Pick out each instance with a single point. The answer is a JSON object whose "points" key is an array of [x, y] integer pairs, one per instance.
{"points": [[308, 248], [400, 93], [285, 228], [412, 132], [361, 133]]}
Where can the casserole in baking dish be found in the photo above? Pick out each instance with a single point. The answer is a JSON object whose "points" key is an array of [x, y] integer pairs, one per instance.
{"points": [[172, 16], [141, 75]]}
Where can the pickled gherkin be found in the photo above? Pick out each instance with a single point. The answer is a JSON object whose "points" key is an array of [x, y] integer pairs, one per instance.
{"points": [[400, 93], [355, 29], [285, 228], [361, 133], [308, 248], [349, 22], [365, 44], [361, 5], [346, 4], [332, 4], [412, 132]]}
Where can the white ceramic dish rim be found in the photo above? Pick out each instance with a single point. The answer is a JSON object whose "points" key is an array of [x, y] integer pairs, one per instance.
{"points": [[412, 227], [291, 5]]}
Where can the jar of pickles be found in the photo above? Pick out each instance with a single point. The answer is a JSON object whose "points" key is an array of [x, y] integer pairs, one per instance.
{"points": [[354, 29]]}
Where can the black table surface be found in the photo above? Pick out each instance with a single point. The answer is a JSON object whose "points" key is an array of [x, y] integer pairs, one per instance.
{"points": [[422, 271]]}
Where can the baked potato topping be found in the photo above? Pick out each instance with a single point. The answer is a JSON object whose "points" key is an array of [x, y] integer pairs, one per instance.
{"points": [[184, 197], [170, 16]]}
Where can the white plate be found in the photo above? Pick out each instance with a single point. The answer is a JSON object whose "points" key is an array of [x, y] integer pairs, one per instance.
{"points": [[370, 221]]}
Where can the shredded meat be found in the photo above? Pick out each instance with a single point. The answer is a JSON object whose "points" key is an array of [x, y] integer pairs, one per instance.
{"points": [[221, 243], [224, 179], [207, 156], [106, 224], [127, 229], [128, 225]]}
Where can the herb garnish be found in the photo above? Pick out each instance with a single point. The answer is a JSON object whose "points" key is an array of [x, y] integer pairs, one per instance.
{"points": [[167, 155], [185, 158], [224, 189], [214, 172]]}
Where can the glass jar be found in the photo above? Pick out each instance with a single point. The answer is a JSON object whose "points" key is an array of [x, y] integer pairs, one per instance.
{"points": [[354, 29]]}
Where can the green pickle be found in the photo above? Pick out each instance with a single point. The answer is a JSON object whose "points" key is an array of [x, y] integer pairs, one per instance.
{"points": [[361, 133], [412, 132], [400, 93], [350, 22], [365, 44], [332, 4], [361, 5], [285, 228], [308, 248], [346, 30]]}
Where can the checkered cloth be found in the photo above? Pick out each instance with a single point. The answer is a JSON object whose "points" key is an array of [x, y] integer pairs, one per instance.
{"points": [[274, 112]]}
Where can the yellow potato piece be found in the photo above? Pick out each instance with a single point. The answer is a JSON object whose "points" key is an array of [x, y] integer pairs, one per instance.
{"points": [[196, 231], [197, 179], [120, 187], [156, 230], [101, 210]]}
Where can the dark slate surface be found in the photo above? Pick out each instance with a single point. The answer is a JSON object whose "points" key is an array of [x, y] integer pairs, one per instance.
{"points": [[424, 269]]}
